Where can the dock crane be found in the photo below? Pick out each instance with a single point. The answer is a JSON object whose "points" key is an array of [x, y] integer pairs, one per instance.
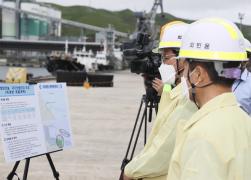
{"points": [[146, 21]]}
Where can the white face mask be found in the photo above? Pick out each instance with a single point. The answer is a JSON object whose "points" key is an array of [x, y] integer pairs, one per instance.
{"points": [[167, 73]]}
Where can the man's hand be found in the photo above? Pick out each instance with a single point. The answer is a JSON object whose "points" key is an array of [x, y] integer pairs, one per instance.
{"points": [[126, 178], [158, 85]]}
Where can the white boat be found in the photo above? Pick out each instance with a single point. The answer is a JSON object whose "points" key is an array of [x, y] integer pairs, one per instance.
{"points": [[112, 61], [86, 58], [118, 53], [102, 60]]}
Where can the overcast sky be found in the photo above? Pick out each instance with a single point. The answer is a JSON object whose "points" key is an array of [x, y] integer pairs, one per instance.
{"points": [[192, 9]]}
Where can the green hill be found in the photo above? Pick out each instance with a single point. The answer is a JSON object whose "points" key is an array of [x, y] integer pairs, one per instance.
{"points": [[122, 20]]}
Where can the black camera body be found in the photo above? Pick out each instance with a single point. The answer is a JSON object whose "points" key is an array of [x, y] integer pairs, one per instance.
{"points": [[143, 61]]}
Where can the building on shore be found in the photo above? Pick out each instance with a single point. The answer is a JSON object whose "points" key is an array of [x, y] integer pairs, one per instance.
{"points": [[29, 26]]}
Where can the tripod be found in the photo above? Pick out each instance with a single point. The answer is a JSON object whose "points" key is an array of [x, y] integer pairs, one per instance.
{"points": [[26, 168], [149, 104]]}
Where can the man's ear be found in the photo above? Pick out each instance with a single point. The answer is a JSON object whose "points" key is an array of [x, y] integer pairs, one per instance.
{"points": [[200, 73]]}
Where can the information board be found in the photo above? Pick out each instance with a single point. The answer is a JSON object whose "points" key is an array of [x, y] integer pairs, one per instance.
{"points": [[34, 119]]}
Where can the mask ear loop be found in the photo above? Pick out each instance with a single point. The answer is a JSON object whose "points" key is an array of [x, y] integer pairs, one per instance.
{"points": [[177, 66], [176, 52], [178, 70], [192, 88]]}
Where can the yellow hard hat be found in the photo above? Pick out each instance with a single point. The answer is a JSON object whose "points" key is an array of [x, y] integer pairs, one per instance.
{"points": [[171, 34], [213, 39], [248, 45]]}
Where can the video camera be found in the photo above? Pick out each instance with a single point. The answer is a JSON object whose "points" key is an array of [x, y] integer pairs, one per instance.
{"points": [[143, 61]]}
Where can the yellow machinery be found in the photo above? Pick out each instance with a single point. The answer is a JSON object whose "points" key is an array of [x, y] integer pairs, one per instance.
{"points": [[16, 75]]}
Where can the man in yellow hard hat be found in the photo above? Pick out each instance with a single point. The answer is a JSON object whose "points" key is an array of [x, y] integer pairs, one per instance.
{"points": [[215, 143], [171, 68], [153, 161]]}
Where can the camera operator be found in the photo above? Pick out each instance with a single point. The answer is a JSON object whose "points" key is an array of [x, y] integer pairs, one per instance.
{"points": [[153, 161], [242, 86]]}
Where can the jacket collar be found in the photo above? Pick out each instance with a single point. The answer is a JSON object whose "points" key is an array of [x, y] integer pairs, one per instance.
{"points": [[245, 75], [175, 92], [220, 101]]}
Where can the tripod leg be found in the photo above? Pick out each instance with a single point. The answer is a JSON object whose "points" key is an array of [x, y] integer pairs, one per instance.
{"points": [[13, 172], [156, 110], [140, 126], [55, 173], [121, 177], [145, 133], [126, 160], [26, 168], [150, 112], [134, 147], [156, 105]]}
